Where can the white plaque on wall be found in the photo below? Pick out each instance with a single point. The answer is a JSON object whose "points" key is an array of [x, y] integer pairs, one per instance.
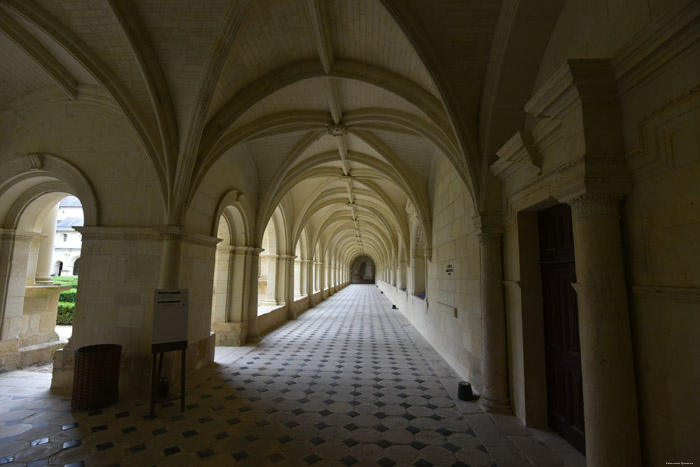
{"points": [[170, 310]]}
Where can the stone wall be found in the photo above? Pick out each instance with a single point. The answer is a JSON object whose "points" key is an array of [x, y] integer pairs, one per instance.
{"points": [[640, 145], [661, 225], [450, 315]]}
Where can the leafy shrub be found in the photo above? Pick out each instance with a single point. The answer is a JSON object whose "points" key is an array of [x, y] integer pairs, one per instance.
{"points": [[65, 313], [68, 296], [66, 301]]}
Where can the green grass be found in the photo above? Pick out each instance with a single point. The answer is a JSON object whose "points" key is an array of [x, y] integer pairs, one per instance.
{"points": [[65, 280]]}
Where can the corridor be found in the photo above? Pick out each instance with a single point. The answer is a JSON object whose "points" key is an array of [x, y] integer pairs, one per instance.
{"points": [[350, 382]]}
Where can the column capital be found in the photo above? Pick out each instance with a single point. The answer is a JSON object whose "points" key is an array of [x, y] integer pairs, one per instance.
{"points": [[247, 250], [489, 223], [595, 204]]}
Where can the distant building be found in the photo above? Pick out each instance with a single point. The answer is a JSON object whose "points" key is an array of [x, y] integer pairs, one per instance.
{"points": [[67, 242]]}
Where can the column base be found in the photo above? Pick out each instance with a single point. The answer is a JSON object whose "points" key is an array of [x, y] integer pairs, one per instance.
{"points": [[491, 405], [229, 334]]}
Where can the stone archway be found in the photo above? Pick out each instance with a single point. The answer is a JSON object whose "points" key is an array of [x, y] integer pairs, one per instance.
{"points": [[363, 270], [32, 187]]}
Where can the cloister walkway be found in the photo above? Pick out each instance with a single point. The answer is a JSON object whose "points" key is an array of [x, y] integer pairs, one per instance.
{"points": [[350, 382]]}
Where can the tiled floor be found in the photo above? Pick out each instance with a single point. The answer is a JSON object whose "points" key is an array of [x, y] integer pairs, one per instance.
{"points": [[350, 382]]}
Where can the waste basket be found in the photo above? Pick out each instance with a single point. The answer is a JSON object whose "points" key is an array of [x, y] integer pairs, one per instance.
{"points": [[96, 376]]}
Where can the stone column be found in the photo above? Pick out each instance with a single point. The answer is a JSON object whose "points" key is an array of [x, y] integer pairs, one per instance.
{"points": [[403, 267], [252, 317], [309, 265], [609, 390], [270, 266], [236, 283], [298, 272], [15, 256], [33, 259], [494, 359], [322, 276], [43, 265], [221, 300], [247, 277], [289, 284]]}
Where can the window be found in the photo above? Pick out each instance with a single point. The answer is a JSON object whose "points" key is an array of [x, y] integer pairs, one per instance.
{"points": [[65, 237]]}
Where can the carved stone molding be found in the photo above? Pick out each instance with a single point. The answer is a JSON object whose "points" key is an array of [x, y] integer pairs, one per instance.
{"points": [[656, 151], [595, 204], [411, 213], [337, 130], [36, 160]]}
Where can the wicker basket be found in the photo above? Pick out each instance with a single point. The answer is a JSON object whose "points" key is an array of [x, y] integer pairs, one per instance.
{"points": [[96, 376]]}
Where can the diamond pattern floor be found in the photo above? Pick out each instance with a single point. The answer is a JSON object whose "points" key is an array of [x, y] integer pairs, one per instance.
{"points": [[349, 383]]}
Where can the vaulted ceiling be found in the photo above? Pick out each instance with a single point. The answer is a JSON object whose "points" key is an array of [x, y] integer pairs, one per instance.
{"points": [[341, 105]]}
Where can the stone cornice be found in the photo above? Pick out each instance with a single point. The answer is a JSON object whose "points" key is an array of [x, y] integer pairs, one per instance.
{"points": [[518, 152], [676, 294], [154, 234], [12, 234], [603, 174], [662, 40], [576, 82]]}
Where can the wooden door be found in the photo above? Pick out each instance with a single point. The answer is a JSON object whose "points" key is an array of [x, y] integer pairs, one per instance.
{"points": [[562, 348]]}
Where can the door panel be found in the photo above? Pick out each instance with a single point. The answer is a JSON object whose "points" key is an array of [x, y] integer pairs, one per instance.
{"points": [[562, 344]]}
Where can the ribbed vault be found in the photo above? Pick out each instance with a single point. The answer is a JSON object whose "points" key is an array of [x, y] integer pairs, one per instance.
{"points": [[327, 105]]}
